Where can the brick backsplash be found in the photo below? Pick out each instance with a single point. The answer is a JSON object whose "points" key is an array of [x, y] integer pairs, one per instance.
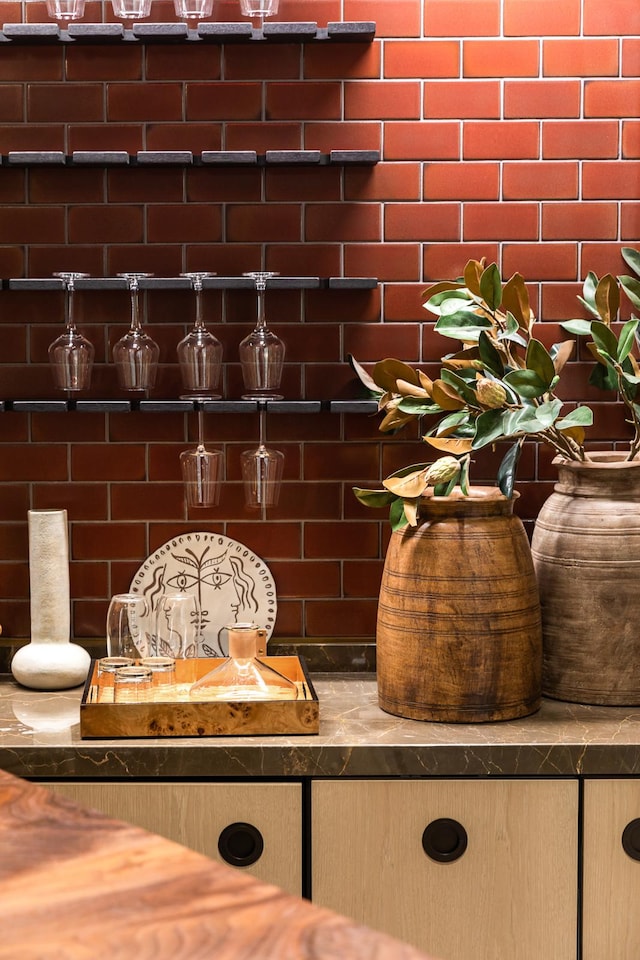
{"points": [[508, 129]]}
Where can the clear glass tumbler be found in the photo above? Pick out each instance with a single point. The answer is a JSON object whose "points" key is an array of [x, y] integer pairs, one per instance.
{"points": [[177, 626], [132, 685], [127, 626]]}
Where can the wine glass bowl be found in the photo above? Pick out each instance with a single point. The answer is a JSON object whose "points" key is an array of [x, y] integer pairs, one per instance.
{"points": [[200, 352], [259, 8], [136, 354], [65, 9], [262, 475], [193, 10], [71, 354], [262, 352], [202, 475], [131, 9]]}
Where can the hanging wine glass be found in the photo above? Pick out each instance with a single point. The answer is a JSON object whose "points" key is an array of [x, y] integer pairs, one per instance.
{"points": [[65, 9], [259, 8], [202, 471], [193, 10], [71, 354], [262, 473], [199, 353], [131, 9], [136, 355], [262, 352]]}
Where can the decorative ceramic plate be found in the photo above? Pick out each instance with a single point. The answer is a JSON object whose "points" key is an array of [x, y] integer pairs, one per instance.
{"points": [[231, 583]]}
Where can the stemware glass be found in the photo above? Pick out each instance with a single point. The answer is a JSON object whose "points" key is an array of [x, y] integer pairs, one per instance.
{"points": [[136, 355], [262, 473], [199, 353], [193, 10], [202, 471], [262, 352], [131, 9], [259, 8], [65, 9], [71, 354]]}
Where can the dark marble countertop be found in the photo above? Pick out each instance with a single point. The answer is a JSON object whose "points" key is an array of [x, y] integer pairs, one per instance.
{"points": [[40, 739]]}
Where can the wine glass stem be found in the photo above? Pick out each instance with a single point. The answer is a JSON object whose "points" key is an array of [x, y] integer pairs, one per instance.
{"points": [[70, 288], [135, 306], [262, 320], [200, 428]]}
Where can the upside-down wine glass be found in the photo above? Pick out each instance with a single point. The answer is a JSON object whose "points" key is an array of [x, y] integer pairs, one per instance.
{"points": [[136, 354], [65, 9], [262, 472], [131, 9], [259, 9], [199, 353], [71, 354], [262, 352], [202, 471], [193, 9]]}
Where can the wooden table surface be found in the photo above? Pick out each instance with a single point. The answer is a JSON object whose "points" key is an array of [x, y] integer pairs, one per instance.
{"points": [[76, 885]]}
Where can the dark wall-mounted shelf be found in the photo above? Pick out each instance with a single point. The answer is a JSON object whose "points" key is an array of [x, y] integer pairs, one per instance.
{"points": [[183, 283], [185, 158], [188, 406], [206, 32]]}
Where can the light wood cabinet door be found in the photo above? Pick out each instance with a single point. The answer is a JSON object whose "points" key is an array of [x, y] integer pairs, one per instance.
{"points": [[511, 895], [611, 876], [196, 814]]}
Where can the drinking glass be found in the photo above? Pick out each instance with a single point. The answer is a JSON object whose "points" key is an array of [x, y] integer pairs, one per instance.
{"points": [[131, 9], [193, 10], [71, 354], [262, 473], [107, 669], [177, 626], [259, 8], [136, 355], [202, 472], [199, 353], [65, 9], [127, 624], [163, 676], [132, 685], [262, 352]]}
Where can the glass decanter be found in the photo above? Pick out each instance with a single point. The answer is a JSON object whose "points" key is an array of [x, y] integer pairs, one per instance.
{"points": [[136, 355], [242, 676], [200, 352], [71, 354], [262, 352]]}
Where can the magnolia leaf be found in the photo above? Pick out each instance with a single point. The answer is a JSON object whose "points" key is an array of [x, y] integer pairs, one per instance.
{"points": [[526, 383], [607, 298], [547, 413], [418, 408], [489, 428], [472, 274], [491, 286], [605, 340], [632, 258], [395, 420], [515, 300], [525, 420], [626, 339], [511, 331], [581, 328], [364, 377], [561, 352], [539, 361], [410, 468], [451, 363], [425, 382], [451, 422], [460, 387], [432, 293], [632, 289], [489, 355], [445, 396], [506, 475], [588, 297], [444, 489], [580, 417], [456, 446], [463, 479], [603, 377], [410, 508], [386, 372], [397, 516], [373, 498], [407, 389], [576, 434], [411, 485]]}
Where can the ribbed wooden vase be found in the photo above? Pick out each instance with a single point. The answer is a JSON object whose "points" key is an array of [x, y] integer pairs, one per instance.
{"points": [[586, 552], [458, 632]]}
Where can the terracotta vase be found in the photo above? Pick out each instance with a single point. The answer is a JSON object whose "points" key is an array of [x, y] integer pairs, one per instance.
{"points": [[458, 631], [586, 552]]}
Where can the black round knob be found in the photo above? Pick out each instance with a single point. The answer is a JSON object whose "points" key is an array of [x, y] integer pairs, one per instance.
{"points": [[444, 840], [240, 844], [631, 839]]}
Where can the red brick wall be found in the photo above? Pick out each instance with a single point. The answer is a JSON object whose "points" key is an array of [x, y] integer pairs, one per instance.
{"points": [[509, 129]]}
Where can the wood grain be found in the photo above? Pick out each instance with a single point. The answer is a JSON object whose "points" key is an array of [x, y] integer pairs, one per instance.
{"points": [[76, 885]]}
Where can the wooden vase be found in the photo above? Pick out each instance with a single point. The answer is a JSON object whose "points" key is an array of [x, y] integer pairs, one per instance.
{"points": [[458, 631], [586, 551]]}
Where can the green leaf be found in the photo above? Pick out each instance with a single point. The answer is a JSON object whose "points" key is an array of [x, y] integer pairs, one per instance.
{"points": [[632, 289], [417, 407], [525, 421], [460, 386], [444, 489], [526, 383], [491, 286], [581, 328], [540, 362], [462, 326], [547, 413], [489, 355], [588, 297], [605, 340], [435, 303], [603, 377], [632, 258], [373, 498], [463, 479], [490, 426], [580, 417], [454, 419], [626, 339], [397, 516], [506, 475]]}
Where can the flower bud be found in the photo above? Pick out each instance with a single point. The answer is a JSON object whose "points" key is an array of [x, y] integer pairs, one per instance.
{"points": [[490, 393], [443, 470]]}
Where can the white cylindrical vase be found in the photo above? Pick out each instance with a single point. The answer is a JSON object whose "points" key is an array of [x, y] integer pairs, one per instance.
{"points": [[50, 661]]}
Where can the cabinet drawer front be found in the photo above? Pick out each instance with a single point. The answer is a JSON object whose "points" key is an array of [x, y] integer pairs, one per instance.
{"points": [[195, 815], [611, 877], [511, 891]]}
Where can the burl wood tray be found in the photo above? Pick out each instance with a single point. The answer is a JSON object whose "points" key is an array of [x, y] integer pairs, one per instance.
{"points": [[182, 717]]}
